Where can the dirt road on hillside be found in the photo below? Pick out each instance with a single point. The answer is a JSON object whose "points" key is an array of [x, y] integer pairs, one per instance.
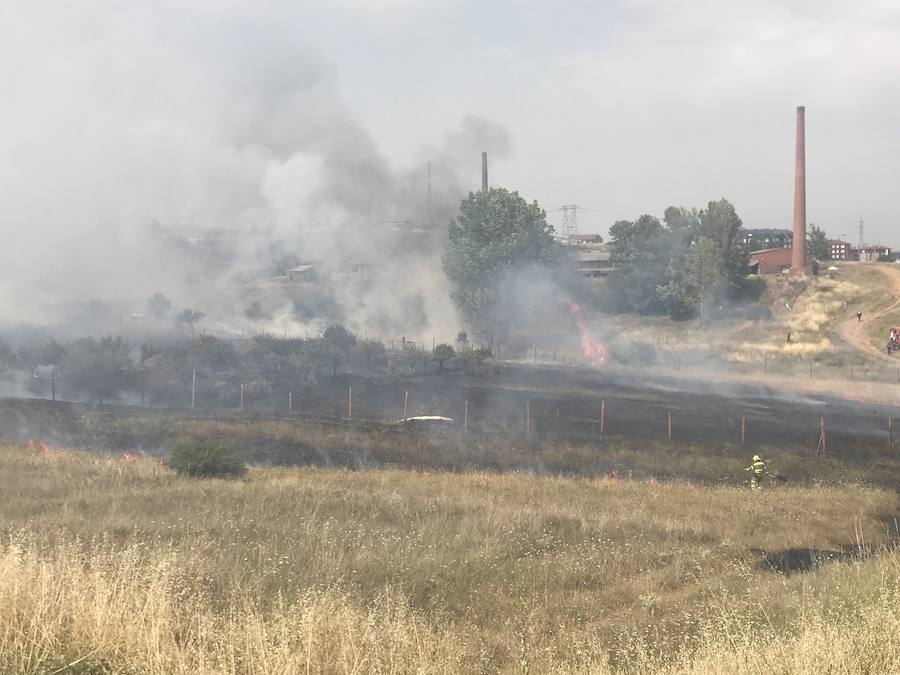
{"points": [[854, 331]]}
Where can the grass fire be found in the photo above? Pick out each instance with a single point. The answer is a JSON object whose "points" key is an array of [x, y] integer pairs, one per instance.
{"points": [[415, 337]]}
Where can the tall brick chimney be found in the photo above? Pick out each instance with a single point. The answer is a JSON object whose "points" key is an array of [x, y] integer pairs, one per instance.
{"points": [[798, 252], [484, 180]]}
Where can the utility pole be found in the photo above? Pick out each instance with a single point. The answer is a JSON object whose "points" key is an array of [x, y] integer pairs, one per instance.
{"points": [[862, 238]]}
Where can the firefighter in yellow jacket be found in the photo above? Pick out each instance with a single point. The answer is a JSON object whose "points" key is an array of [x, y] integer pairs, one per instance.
{"points": [[758, 469]]}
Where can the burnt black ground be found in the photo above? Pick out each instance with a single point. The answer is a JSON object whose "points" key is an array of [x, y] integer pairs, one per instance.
{"points": [[565, 405]]}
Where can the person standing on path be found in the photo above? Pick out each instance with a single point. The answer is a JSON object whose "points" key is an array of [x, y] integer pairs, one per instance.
{"points": [[859, 316]]}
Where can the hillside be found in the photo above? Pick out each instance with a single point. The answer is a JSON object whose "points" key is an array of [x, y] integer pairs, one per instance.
{"points": [[819, 313], [117, 565]]}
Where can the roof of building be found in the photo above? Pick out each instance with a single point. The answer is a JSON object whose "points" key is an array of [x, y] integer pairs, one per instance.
{"points": [[769, 250], [750, 231], [598, 256]]}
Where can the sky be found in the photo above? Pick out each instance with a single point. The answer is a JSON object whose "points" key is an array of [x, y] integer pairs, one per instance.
{"points": [[628, 107], [285, 115]]}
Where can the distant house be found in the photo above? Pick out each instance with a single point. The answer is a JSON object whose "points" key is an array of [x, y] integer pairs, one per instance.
{"points": [[307, 272], [576, 239], [839, 250], [761, 239], [354, 271], [872, 253], [770, 260], [593, 263]]}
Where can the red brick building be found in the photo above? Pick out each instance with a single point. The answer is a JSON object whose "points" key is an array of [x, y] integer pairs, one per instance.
{"points": [[770, 260], [839, 250]]}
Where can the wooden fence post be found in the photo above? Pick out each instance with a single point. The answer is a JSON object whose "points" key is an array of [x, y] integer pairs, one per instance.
{"points": [[405, 404], [528, 416], [891, 437], [669, 427], [194, 389], [466, 418], [290, 401], [603, 416], [350, 402], [820, 448], [743, 431], [242, 395]]}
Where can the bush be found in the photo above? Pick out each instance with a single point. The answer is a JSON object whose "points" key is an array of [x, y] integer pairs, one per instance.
{"points": [[633, 353], [206, 459]]}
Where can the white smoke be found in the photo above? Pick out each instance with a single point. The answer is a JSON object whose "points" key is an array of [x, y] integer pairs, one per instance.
{"points": [[122, 117]]}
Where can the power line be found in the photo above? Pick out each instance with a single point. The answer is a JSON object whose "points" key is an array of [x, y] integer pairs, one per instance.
{"points": [[570, 220]]}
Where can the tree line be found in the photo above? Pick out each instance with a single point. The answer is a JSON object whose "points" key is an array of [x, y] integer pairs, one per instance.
{"points": [[689, 262], [683, 265], [160, 372]]}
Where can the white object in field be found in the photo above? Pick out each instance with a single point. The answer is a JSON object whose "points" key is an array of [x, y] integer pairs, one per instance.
{"points": [[832, 269], [427, 418]]}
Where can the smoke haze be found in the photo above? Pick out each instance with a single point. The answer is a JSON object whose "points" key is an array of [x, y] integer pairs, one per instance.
{"points": [[132, 133]]}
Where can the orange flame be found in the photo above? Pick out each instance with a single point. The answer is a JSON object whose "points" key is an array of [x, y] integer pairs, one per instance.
{"points": [[595, 352]]}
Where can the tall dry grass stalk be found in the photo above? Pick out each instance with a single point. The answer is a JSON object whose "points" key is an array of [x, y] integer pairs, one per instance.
{"points": [[128, 609], [125, 610], [108, 565]]}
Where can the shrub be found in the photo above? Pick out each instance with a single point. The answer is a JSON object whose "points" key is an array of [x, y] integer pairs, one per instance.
{"points": [[206, 459], [633, 353]]}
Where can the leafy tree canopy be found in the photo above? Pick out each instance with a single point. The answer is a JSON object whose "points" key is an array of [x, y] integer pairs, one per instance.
{"points": [[496, 235], [817, 242], [691, 259], [158, 306], [190, 317]]}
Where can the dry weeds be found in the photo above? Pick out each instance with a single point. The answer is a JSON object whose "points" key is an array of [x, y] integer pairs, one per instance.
{"points": [[117, 565]]}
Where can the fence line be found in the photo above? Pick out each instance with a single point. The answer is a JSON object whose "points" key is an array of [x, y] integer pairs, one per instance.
{"points": [[739, 432]]}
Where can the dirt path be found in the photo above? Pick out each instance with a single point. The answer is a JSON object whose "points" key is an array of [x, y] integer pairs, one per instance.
{"points": [[854, 331]]}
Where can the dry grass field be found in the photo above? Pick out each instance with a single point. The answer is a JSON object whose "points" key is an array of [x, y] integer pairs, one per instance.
{"points": [[117, 565], [811, 309]]}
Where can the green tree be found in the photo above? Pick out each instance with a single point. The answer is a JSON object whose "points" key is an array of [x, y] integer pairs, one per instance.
{"points": [[817, 243], [339, 337], [256, 312], [720, 223], [681, 220], [692, 259], [158, 306], [443, 352], [190, 317], [715, 266], [101, 368], [495, 236], [641, 251]]}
